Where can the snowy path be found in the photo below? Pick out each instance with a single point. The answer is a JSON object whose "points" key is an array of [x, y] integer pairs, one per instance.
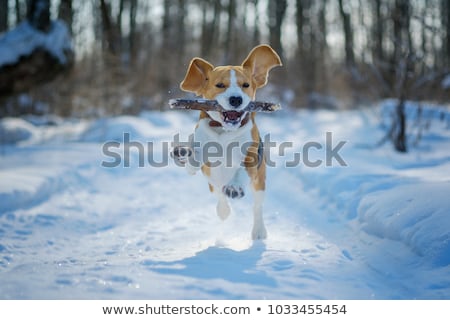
{"points": [[70, 228]]}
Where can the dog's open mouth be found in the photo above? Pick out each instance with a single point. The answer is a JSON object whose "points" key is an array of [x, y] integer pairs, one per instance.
{"points": [[232, 117]]}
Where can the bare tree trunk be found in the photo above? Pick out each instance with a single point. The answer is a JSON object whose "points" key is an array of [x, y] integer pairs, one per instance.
{"points": [[65, 13], [445, 20], [132, 36], [180, 28], [215, 27], [3, 15], [205, 46], [300, 23], [399, 138], [401, 64], [305, 45], [165, 28], [402, 56], [402, 35], [167, 51], [277, 11], [209, 26], [119, 16], [378, 33], [447, 38], [230, 45], [322, 47], [348, 34], [256, 31], [423, 35], [38, 14], [398, 130], [18, 11], [109, 29]]}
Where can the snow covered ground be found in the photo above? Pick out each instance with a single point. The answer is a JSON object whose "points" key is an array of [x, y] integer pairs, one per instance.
{"points": [[377, 228]]}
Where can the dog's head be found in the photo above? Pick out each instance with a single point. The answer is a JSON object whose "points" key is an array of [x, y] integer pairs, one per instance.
{"points": [[232, 86]]}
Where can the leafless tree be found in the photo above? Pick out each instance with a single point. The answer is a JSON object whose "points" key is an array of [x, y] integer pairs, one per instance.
{"points": [[211, 11], [348, 34], [276, 13], [38, 14], [3, 15], [65, 13]]}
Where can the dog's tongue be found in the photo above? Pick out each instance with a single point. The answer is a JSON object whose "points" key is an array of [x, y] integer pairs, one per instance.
{"points": [[232, 115]]}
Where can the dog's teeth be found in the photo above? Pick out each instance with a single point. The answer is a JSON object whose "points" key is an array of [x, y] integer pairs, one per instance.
{"points": [[232, 116]]}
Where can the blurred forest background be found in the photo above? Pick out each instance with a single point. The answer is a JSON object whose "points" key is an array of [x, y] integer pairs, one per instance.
{"points": [[130, 55]]}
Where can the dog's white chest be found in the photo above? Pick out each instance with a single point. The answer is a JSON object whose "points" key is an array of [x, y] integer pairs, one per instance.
{"points": [[222, 151]]}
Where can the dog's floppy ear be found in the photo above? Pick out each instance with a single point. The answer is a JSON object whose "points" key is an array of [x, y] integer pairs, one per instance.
{"points": [[260, 60], [196, 76]]}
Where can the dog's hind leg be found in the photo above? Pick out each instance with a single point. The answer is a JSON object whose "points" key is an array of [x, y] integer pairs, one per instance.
{"points": [[223, 208], [258, 178], [259, 230]]}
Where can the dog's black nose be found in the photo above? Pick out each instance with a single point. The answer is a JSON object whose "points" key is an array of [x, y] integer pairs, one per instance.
{"points": [[235, 101]]}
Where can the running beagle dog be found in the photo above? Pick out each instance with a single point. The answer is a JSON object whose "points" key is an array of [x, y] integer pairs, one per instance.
{"points": [[226, 146]]}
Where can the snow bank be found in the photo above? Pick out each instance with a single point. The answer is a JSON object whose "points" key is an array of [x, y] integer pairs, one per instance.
{"points": [[15, 130], [113, 129], [414, 213], [30, 175], [401, 197], [35, 130], [24, 39], [26, 186], [149, 126], [32, 130]]}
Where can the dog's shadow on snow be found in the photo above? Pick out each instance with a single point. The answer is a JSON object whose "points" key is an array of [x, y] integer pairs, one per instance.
{"points": [[219, 263]]}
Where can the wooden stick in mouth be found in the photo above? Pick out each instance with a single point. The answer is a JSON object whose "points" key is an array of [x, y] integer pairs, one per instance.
{"points": [[213, 105]]}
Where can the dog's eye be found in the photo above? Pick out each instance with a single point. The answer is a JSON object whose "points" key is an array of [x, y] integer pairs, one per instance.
{"points": [[220, 85], [245, 85]]}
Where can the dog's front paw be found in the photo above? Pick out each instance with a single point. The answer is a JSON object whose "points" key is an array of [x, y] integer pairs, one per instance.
{"points": [[181, 154], [233, 192]]}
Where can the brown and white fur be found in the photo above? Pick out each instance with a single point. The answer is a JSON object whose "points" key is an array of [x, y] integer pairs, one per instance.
{"points": [[234, 131]]}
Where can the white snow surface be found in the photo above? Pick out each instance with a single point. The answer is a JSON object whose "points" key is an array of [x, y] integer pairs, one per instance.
{"points": [[70, 228], [24, 39]]}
